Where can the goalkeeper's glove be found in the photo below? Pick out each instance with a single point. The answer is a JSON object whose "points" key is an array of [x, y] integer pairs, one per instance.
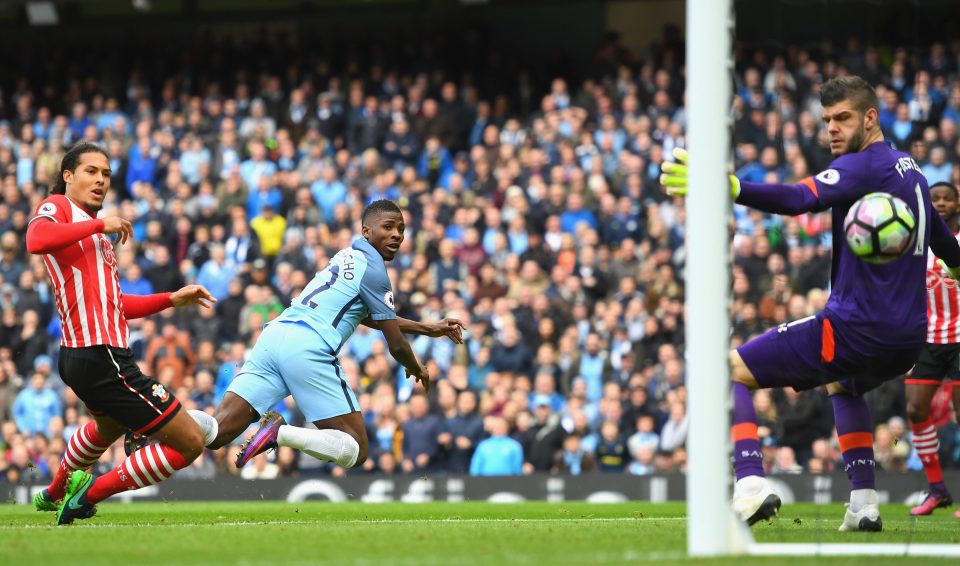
{"points": [[674, 176], [953, 271]]}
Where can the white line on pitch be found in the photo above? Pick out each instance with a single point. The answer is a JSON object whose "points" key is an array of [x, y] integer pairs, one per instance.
{"points": [[360, 522]]}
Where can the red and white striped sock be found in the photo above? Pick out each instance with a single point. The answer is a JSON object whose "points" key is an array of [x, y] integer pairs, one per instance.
{"points": [[927, 443], [150, 465], [83, 450]]}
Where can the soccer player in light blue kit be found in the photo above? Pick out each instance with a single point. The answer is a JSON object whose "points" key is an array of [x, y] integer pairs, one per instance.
{"points": [[297, 353]]}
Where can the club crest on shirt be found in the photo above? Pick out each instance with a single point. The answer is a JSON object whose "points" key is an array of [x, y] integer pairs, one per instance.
{"points": [[160, 392], [106, 249], [388, 299], [829, 177], [937, 277], [47, 209]]}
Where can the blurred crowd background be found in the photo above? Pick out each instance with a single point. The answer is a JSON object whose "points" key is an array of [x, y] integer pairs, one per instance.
{"points": [[533, 212]]}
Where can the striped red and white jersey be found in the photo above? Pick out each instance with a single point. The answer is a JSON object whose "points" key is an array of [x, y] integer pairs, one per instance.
{"points": [[943, 304], [85, 281]]}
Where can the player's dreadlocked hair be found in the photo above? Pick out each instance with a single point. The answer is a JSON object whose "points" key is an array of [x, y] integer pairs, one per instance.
{"points": [[852, 88], [379, 206], [70, 162]]}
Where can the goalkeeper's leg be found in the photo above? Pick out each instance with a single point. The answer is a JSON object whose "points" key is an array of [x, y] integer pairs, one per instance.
{"points": [[753, 498]]}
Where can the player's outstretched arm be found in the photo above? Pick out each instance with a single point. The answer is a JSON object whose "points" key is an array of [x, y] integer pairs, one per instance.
{"points": [[776, 198], [452, 328], [139, 306], [402, 352]]}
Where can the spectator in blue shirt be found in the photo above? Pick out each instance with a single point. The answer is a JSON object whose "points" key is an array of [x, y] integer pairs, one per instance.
{"points": [[479, 124], [480, 368], [645, 436], [938, 170], [751, 170], [36, 406], [545, 392], [216, 273], [420, 436], [141, 164], [590, 365], [111, 113], [263, 195], [133, 283], [25, 165], [328, 192], [54, 329], [888, 110], [498, 455], [902, 128], [362, 343], [42, 127], [194, 161], [383, 188], [79, 120], [228, 369], [256, 167], [575, 214]]}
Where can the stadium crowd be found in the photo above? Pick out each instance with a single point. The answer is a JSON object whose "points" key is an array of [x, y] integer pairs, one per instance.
{"points": [[533, 212]]}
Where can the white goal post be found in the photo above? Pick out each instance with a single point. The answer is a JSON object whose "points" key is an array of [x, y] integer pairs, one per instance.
{"points": [[708, 320], [712, 529]]}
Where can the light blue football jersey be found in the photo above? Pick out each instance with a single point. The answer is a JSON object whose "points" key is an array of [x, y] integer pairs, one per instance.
{"points": [[353, 286]]}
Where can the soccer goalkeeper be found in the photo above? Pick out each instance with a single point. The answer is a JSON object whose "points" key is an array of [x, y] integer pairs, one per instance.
{"points": [[874, 324]]}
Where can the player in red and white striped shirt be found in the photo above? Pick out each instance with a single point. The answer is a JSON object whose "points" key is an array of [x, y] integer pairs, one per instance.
{"points": [[94, 358], [939, 360]]}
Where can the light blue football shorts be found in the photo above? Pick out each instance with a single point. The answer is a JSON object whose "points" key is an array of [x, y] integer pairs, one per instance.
{"points": [[291, 359]]}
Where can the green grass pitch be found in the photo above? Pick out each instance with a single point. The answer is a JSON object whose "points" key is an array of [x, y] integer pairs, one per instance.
{"points": [[262, 533]]}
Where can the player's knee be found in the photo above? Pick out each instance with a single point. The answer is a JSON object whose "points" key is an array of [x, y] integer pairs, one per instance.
{"points": [[916, 413], [109, 429], [740, 373], [191, 445], [357, 452]]}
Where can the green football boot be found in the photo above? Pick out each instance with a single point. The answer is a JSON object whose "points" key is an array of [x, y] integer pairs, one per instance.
{"points": [[74, 505], [43, 502]]}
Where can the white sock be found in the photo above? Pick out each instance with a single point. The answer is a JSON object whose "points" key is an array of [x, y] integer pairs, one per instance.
{"points": [[862, 497], [329, 445], [208, 425], [749, 485]]}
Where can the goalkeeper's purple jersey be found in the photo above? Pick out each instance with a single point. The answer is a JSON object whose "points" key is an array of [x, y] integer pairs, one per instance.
{"points": [[879, 305], [872, 306]]}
